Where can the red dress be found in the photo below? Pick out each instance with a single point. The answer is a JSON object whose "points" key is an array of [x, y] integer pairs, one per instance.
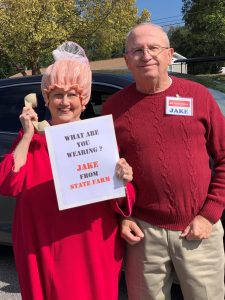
{"points": [[74, 254]]}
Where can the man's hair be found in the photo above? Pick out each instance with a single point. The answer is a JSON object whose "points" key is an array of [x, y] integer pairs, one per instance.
{"points": [[150, 25]]}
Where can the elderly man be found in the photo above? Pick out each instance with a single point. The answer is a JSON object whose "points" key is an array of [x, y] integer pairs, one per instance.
{"points": [[168, 128]]}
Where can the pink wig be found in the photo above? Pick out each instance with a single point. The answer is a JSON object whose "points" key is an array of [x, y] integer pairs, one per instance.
{"points": [[68, 73]]}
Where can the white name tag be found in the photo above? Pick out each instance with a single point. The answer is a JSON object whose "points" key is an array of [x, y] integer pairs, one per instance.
{"points": [[179, 106]]}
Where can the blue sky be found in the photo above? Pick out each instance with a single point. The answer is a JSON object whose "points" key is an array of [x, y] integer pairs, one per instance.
{"points": [[163, 12]]}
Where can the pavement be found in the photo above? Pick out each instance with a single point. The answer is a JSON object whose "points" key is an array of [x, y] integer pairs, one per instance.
{"points": [[9, 286]]}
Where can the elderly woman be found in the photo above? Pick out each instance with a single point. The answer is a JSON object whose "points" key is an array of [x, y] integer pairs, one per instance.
{"points": [[70, 254]]}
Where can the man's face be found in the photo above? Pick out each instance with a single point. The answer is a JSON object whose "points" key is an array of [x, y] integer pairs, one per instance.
{"points": [[148, 54]]}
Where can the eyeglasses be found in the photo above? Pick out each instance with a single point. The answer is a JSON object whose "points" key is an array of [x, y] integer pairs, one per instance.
{"points": [[152, 50]]}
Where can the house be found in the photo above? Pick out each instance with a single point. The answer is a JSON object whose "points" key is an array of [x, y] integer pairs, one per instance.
{"points": [[222, 71], [202, 59], [180, 67]]}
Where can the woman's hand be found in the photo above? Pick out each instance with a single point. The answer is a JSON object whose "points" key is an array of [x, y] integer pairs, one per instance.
{"points": [[124, 171], [20, 153], [28, 115]]}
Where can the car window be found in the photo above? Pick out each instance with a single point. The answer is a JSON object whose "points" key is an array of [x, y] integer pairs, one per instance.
{"points": [[6, 140], [100, 93], [12, 102], [97, 100], [94, 107]]}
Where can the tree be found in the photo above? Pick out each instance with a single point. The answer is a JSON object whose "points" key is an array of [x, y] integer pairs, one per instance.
{"points": [[33, 28], [108, 39], [105, 24], [204, 29], [179, 40], [205, 19]]}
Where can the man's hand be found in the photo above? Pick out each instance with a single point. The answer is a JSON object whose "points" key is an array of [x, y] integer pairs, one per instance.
{"points": [[130, 231], [200, 228]]}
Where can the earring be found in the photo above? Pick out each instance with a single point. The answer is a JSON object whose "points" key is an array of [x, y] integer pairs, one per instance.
{"points": [[46, 101]]}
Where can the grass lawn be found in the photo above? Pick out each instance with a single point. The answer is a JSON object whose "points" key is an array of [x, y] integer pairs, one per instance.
{"points": [[216, 82]]}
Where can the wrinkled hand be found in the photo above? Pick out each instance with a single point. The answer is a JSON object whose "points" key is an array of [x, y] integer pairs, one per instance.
{"points": [[28, 115], [130, 231], [200, 228], [124, 171]]}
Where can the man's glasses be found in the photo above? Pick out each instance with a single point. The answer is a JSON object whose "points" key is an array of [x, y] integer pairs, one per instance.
{"points": [[152, 50]]}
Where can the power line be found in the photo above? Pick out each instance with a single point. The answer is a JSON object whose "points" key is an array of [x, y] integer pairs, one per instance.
{"points": [[175, 22], [170, 21], [171, 24], [154, 20]]}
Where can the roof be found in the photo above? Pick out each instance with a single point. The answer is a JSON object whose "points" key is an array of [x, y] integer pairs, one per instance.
{"points": [[178, 56]]}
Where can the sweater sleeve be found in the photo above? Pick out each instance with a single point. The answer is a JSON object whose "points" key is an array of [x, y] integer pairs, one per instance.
{"points": [[215, 202], [11, 182]]}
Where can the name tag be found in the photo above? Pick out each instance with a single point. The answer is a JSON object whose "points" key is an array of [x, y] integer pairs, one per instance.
{"points": [[179, 106]]}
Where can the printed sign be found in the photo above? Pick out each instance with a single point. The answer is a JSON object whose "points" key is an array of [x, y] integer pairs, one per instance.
{"points": [[179, 106], [83, 157]]}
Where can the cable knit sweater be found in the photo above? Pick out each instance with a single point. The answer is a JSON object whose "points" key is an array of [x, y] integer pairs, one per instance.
{"points": [[170, 154]]}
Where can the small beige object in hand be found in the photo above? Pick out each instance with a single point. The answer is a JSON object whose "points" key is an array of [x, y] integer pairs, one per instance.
{"points": [[30, 100]]}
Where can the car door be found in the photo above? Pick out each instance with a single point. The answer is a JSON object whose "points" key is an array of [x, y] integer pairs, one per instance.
{"points": [[11, 104]]}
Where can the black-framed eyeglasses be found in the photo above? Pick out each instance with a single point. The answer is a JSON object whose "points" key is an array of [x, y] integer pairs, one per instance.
{"points": [[152, 50]]}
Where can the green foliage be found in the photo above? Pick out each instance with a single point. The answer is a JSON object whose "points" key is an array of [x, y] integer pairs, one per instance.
{"points": [[144, 16], [106, 24], [203, 33], [179, 40], [31, 29]]}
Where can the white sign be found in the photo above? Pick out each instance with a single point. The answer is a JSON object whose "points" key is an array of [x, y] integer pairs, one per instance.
{"points": [[83, 157], [179, 106]]}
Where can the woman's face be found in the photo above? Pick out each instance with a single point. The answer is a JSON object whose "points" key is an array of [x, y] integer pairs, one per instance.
{"points": [[64, 106]]}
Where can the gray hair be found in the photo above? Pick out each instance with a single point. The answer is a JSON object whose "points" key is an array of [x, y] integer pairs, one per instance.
{"points": [[146, 24]]}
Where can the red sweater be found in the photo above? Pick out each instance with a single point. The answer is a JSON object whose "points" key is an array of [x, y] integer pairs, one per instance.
{"points": [[170, 154]]}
